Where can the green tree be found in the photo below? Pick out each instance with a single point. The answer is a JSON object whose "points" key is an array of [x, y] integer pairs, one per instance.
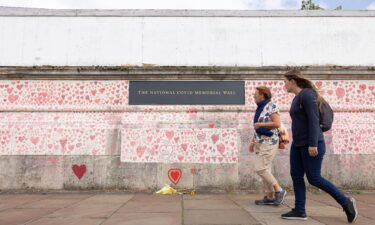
{"points": [[309, 5], [338, 7]]}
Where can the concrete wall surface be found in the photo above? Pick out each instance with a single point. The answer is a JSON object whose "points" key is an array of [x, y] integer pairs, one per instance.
{"points": [[185, 38]]}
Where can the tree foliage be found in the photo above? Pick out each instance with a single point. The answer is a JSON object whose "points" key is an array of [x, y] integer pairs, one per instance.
{"points": [[309, 5]]}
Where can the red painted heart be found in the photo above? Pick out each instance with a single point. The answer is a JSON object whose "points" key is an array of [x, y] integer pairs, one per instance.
{"points": [[215, 138], [141, 150], [174, 175], [169, 134], [220, 148], [79, 171], [12, 98], [34, 140], [184, 147]]}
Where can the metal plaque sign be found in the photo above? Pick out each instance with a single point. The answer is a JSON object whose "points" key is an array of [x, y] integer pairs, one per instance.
{"points": [[187, 93]]}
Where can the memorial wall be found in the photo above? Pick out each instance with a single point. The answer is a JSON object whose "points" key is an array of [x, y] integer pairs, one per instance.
{"points": [[138, 99]]}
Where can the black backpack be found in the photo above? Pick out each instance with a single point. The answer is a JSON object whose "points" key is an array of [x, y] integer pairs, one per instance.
{"points": [[325, 116]]}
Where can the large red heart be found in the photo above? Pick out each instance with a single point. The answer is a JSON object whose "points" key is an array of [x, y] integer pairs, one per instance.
{"points": [[174, 175], [79, 171]]}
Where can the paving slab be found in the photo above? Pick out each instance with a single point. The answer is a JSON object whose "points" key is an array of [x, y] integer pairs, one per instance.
{"points": [[341, 220], [8, 205], [323, 198], [210, 204], [108, 198], [151, 206], [275, 218], [49, 204], [87, 210], [69, 195], [144, 218], [289, 201], [327, 211], [11, 201], [247, 203], [156, 197], [218, 217], [21, 216], [205, 197], [364, 208], [333, 215], [67, 221], [267, 214], [24, 197], [368, 198], [144, 209]]}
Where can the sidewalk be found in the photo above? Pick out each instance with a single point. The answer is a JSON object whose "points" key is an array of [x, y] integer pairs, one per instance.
{"points": [[143, 209]]}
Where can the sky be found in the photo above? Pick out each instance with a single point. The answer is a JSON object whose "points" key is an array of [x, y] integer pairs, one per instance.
{"points": [[188, 4]]}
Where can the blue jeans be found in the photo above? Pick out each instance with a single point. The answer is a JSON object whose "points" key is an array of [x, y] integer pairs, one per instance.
{"points": [[300, 163]]}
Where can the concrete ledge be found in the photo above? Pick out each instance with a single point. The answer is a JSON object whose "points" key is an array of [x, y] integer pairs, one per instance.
{"points": [[39, 12], [107, 172], [153, 72]]}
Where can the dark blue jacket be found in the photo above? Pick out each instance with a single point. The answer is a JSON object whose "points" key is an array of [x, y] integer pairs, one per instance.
{"points": [[305, 119]]}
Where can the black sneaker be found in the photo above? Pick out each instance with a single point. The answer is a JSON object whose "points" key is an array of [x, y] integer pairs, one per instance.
{"points": [[264, 201], [279, 197], [351, 210], [294, 215]]}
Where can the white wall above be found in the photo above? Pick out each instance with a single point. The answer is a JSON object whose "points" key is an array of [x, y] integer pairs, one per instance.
{"points": [[248, 39]]}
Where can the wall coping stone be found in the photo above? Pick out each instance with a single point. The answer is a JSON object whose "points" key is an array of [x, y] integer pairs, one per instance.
{"points": [[40, 12], [152, 72]]}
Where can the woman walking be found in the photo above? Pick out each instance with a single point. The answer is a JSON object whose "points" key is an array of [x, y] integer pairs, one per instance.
{"points": [[308, 147], [265, 145]]}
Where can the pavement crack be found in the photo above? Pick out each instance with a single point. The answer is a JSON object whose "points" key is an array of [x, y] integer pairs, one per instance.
{"points": [[122, 205]]}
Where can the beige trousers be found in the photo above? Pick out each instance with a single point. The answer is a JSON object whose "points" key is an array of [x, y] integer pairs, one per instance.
{"points": [[264, 155]]}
